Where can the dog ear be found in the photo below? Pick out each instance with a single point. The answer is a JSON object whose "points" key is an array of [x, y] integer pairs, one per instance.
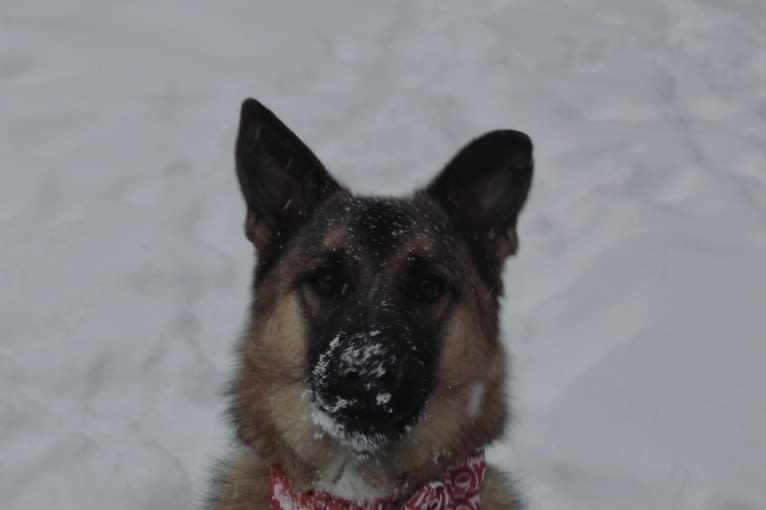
{"points": [[484, 187], [282, 181]]}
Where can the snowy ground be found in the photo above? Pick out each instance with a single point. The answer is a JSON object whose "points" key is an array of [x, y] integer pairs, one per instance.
{"points": [[636, 310]]}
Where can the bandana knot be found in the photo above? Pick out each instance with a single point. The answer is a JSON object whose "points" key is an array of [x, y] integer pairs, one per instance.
{"points": [[458, 490]]}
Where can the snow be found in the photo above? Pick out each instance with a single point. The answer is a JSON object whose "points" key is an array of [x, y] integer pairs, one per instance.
{"points": [[359, 443], [634, 311], [363, 356], [323, 363]]}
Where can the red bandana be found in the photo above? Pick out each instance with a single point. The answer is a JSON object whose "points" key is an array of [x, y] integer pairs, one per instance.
{"points": [[458, 490]]}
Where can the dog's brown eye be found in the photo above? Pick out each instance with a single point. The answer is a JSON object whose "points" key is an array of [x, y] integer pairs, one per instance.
{"points": [[429, 288], [327, 283]]}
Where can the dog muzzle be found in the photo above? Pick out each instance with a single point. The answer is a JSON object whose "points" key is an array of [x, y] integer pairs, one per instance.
{"points": [[458, 490]]}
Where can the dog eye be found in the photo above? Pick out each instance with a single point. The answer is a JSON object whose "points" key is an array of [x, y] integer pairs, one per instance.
{"points": [[429, 288], [327, 283]]}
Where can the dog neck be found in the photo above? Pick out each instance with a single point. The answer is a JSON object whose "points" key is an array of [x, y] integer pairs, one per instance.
{"points": [[458, 488], [350, 479]]}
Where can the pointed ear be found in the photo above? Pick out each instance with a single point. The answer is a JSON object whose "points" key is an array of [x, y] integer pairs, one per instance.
{"points": [[484, 188], [282, 181]]}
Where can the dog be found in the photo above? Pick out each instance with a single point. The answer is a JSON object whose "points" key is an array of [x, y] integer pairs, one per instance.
{"points": [[371, 370]]}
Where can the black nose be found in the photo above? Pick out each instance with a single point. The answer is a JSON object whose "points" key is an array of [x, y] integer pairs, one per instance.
{"points": [[360, 378], [370, 387]]}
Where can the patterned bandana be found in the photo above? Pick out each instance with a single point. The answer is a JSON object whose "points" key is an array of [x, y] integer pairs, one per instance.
{"points": [[459, 490]]}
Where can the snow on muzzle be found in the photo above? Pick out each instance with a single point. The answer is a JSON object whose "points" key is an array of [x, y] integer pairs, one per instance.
{"points": [[369, 386], [357, 377]]}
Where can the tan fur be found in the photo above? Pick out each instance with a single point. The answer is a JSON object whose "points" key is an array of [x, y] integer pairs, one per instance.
{"points": [[242, 485], [497, 492], [273, 415]]}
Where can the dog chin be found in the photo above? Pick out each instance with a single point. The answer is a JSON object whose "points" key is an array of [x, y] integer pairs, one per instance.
{"points": [[360, 442]]}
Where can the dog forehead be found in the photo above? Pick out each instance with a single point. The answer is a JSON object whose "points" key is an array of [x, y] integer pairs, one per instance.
{"points": [[381, 222], [382, 226]]}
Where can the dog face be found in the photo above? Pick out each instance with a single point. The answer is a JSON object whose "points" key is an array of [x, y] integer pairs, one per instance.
{"points": [[374, 327], [373, 300]]}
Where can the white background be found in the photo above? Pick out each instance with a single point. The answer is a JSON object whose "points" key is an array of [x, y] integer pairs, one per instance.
{"points": [[636, 309]]}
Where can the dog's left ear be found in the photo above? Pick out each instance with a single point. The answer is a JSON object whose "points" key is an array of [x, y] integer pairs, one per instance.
{"points": [[484, 187]]}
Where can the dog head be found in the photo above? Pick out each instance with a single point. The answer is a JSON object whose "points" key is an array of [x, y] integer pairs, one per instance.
{"points": [[374, 326]]}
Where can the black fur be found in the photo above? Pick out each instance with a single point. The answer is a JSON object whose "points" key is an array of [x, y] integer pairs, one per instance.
{"points": [[281, 180], [483, 189]]}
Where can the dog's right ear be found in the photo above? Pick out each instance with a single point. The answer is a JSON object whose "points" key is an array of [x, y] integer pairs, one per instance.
{"points": [[282, 181]]}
